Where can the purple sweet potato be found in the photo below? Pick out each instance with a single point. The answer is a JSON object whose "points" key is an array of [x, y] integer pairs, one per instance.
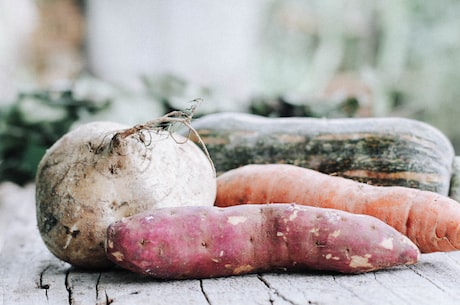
{"points": [[205, 242]]}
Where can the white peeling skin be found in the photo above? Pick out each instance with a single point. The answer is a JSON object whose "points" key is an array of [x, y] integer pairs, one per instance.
{"points": [[387, 243], [360, 261], [329, 256], [235, 220], [315, 231], [281, 234], [70, 234], [332, 217], [67, 243], [243, 269], [336, 233], [118, 256], [293, 216]]}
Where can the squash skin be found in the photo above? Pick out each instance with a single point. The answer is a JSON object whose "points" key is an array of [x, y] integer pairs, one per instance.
{"points": [[454, 191], [378, 151]]}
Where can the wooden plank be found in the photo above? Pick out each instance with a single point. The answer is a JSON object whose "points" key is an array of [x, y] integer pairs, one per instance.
{"points": [[53, 281], [311, 288], [22, 252], [30, 274], [125, 288], [15, 205], [442, 270], [247, 289]]}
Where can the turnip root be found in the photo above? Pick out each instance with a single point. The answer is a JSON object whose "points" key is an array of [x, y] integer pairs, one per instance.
{"points": [[205, 242], [103, 171]]}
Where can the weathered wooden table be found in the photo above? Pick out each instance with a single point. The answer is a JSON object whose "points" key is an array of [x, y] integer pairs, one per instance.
{"points": [[30, 275]]}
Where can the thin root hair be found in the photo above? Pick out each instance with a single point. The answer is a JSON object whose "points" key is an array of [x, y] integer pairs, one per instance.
{"points": [[165, 123]]}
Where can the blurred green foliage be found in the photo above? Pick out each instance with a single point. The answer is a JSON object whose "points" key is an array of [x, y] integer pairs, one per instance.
{"points": [[397, 58], [320, 58], [32, 124]]}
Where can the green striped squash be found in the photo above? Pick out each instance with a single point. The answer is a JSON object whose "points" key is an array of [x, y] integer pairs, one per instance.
{"points": [[379, 151]]}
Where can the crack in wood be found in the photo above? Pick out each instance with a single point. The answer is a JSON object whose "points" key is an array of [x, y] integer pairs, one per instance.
{"points": [[392, 291], [275, 291], [97, 286], [68, 287], [40, 282], [108, 300], [426, 278], [354, 294], [204, 293]]}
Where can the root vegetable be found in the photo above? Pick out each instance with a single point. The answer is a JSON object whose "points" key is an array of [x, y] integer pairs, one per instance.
{"points": [[430, 220], [205, 242], [103, 171]]}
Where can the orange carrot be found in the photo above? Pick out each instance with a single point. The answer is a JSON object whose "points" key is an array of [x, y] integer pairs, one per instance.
{"points": [[430, 220]]}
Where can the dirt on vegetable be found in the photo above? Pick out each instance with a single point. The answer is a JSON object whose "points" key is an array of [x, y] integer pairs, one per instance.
{"points": [[101, 172]]}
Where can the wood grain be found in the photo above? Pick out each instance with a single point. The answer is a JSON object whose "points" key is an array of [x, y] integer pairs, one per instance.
{"points": [[29, 274]]}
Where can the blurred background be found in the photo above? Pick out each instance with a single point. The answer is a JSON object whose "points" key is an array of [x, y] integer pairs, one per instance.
{"points": [[65, 62]]}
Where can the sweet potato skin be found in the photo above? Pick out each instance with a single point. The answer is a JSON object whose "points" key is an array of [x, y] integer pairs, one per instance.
{"points": [[206, 242]]}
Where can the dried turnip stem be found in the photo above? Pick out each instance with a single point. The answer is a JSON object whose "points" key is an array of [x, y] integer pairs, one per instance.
{"points": [[165, 123]]}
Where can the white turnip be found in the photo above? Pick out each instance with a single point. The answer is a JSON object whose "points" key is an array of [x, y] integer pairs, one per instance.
{"points": [[103, 171]]}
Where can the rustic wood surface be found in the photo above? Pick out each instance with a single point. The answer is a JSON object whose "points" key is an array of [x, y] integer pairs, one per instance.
{"points": [[29, 274]]}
